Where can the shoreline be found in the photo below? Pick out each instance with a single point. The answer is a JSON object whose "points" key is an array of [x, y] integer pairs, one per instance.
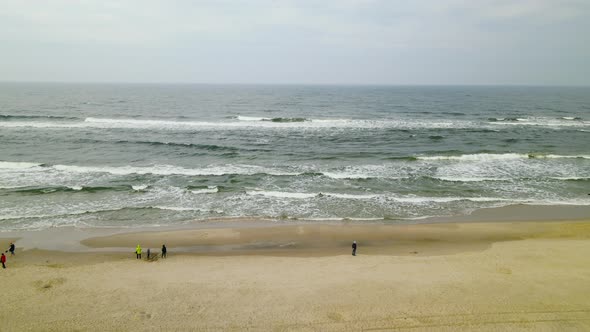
{"points": [[73, 239]]}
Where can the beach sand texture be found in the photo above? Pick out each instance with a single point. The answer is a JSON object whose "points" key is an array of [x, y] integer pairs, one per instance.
{"points": [[526, 276]]}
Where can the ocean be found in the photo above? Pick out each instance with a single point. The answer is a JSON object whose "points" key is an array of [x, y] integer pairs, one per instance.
{"points": [[124, 155]]}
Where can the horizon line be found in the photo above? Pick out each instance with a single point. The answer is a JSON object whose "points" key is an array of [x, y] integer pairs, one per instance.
{"points": [[303, 84]]}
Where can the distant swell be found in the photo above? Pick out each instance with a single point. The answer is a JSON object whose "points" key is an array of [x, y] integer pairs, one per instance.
{"points": [[209, 147]]}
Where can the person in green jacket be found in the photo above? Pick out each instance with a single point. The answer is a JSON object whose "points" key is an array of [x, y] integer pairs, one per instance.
{"points": [[138, 251]]}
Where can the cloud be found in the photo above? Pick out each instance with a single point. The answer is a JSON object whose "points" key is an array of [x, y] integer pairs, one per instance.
{"points": [[340, 39]]}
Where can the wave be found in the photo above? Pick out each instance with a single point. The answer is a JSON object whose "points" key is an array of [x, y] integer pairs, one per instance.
{"points": [[501, 156], [542, 122], [250, 118], [32, 117], [18, 165], [289, 120], [389, 197], [175, 208], [244, 123], [99, 211], [469, 179], [508, 119], [74, 213], [140, 187], [208, 147], [175, 170], [281, 194], [58, 189], [571, 178], [213, 170], [207, 190], [285, 120], [14, 171]]}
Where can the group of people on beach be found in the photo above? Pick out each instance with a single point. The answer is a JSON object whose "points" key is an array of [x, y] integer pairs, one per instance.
{"points": [[138, 252], [3, 257]]}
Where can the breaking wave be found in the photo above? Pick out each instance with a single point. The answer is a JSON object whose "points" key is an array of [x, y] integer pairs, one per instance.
{"points": [[7, 117], [501, 156]]}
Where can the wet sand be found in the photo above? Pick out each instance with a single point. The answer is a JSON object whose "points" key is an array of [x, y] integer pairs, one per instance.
{"points": [[486, 276]]}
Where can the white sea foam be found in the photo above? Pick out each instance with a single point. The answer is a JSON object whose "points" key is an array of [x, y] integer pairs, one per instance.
{"points": [[280, 194], [367, 172], [554, 156], [389, 197], [351, 196], [348, 175], [61, 214], [177, 208], [501, 156], [469, 179], [570, 178], [76, 187], [477, 157], [422, 200], [241, 122], [544, 122], [17, 165], [173, 170], [208, 190], [139, 187], [251, 118]]}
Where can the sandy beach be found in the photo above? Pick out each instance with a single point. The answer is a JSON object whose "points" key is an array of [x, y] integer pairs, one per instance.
{"points": [[484, 276]]}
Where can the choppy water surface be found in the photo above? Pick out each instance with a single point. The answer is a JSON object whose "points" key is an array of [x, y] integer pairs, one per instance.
{"points": [[132, 155]]}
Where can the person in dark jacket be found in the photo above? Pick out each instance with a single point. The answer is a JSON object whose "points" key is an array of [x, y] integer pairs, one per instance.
{"points": [[354, 248], [3, 260], [163, 251], [11, 249]]}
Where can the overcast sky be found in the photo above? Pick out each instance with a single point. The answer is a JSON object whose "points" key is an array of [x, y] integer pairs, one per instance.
{"points": [[539, 42]]}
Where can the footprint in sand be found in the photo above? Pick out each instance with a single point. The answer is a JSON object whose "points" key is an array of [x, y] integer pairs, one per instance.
{"points": [[45, 285], [143, 315], [335, 316]]}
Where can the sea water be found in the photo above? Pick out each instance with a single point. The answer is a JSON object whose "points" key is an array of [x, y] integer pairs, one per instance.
{"points": [[141, 155]]}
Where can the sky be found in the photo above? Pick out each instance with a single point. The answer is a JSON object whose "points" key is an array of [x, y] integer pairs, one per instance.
{"points": [[418, 42]]}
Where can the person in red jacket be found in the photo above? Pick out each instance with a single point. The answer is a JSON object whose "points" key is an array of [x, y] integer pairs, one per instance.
{"points": [[3, 260]]}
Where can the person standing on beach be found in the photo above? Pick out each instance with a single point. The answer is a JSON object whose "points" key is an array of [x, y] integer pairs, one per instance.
{"points": [[354, 248], [138, 252], [163, 251], [11, 249], [148, 254], [3, 260]]}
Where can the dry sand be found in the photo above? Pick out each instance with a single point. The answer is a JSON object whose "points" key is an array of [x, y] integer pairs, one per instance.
{"points": [[508, 276]]}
